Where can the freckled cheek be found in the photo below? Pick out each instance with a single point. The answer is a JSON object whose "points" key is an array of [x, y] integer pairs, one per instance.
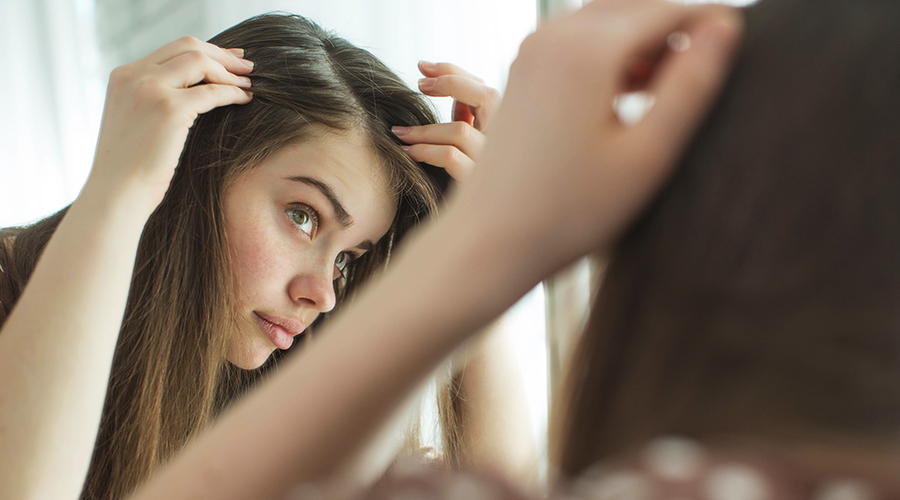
{"points": [[259, 262]]}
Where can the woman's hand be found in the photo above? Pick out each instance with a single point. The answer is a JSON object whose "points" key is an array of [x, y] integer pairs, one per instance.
{"points": [[57, 345], [562, 174], [152, 103], [454, 146]]}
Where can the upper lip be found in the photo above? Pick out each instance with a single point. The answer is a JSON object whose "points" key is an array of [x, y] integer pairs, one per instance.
{"points": [[292, 326]]}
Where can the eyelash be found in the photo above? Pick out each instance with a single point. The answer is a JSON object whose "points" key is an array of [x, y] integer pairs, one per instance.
{"points": [[314, 218], [309, 211]]}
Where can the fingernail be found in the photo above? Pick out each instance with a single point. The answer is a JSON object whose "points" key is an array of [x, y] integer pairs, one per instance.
{"points": [[847, 489], [674, 458], [736, 482], [405, 148], [246, 81], [427, 83], [426, 64], [237, 52], [247, 63], [400, 130]]}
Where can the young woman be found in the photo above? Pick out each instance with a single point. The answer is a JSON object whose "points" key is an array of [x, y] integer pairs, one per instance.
{"points": [[242, 226], [754, 305], [560, 177]]}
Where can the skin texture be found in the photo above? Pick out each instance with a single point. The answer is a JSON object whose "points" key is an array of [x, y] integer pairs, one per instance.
{"points": [[284, 269]]}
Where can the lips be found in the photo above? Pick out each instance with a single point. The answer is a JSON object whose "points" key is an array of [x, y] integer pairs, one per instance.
{"points": [[281, 331]]}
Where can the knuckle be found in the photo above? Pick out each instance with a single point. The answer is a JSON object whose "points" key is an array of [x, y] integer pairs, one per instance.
{"points": [[122, 74], [190, 41], [215, 91], [445, 81], [461, 129], [492, 95], [117, 77], [166, 105], [196, 56], [450, 156]]}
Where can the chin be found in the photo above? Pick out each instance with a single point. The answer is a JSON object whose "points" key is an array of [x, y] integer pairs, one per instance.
{"points": [[249, 359]]}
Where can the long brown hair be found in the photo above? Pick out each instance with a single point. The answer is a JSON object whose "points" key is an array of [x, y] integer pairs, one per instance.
{"points": [[169, 374], [759, 297]]}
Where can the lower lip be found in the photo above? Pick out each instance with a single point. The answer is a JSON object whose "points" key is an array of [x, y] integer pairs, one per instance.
{"points": [[278, 335]]}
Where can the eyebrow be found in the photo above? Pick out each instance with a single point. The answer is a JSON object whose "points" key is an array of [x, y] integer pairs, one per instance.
{"points": [[340, 213]]}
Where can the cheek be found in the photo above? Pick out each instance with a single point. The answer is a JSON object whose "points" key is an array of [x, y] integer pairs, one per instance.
{"points": [[255, 260]]}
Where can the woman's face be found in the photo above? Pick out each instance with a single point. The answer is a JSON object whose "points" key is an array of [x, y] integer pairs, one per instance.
{"points": [[294, 222]]}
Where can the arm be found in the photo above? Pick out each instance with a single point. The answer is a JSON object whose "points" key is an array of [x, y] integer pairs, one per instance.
{"points": [[553, 142], [56, 347]]}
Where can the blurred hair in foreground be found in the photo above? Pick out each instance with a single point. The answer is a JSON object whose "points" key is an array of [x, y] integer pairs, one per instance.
{"points": [[757, 299]]}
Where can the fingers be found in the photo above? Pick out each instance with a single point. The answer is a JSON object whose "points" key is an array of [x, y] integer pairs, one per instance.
{"points": [[430, 69], [454, 161], [203, 98], [462, 88], [687, 81], [193, 67], [231, 59], [476, 103], [459, 134]]}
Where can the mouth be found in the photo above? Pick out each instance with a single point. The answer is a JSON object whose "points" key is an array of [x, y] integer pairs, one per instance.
{"points": [[281, 331]]}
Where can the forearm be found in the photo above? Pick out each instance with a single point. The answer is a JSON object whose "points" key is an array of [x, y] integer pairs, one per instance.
{"points": [[56, 349], [335, 395]]}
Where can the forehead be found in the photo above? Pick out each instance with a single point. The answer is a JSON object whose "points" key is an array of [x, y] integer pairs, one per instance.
{"points": [[344, 158], [342, 161]]}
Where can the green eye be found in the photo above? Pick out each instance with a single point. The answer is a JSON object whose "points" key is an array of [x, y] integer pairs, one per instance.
{"points": [[304, 219], [341, 261]]}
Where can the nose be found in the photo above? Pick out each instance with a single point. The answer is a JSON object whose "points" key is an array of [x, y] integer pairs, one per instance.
{"points": [[314, 287]]}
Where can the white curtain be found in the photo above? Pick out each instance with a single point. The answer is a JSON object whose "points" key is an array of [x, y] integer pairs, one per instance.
{"points": [[51, 108]]}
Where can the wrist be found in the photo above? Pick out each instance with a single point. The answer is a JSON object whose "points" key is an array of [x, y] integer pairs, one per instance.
{"points": [[132, 200]]}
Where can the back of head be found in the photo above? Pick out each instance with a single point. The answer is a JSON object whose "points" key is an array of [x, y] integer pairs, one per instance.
{"points": [[758, 297]]}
